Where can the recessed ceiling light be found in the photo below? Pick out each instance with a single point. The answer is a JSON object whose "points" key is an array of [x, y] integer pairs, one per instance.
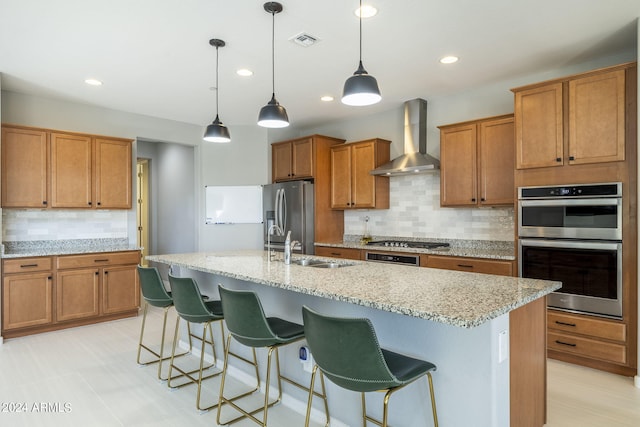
{"points": [[93, 82], [326, 98], [449, 59], [244, 72], [367, 11]]}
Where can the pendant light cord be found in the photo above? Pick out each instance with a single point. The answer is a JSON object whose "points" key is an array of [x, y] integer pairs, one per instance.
{"points": [[273, 55], [360, 17], [217, 87]]}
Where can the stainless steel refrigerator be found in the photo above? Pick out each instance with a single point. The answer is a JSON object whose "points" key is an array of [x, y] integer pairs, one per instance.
{"points": [[288, 206]]}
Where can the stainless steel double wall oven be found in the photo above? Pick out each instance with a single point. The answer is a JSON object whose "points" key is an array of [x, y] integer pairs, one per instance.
{"points": [[573, 234]]}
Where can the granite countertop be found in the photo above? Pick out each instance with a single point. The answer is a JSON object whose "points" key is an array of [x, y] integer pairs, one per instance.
{"points": [[33, 248], [452, 297], [498, 250]]}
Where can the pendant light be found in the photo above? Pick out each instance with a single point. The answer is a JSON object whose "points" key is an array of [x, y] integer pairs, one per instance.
{"points": [[361, 88], [273, 115], [216, 131]]}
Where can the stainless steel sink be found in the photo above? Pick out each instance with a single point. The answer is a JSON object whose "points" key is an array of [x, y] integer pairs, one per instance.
{"points": [[307, 262]]}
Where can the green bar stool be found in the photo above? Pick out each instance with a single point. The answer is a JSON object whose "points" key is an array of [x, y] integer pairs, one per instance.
{"points": [[248, 325], [347, 351], [193, 309], [155, 294]]}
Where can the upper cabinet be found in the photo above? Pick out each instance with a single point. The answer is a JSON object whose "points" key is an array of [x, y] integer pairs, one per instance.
{"points": [[293, 160], [50, 169], [25, 163], [571, 121], [352, 185], [477, 162]]}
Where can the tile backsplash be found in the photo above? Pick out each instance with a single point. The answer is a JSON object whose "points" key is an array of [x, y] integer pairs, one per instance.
{"points": [[40, 224], [414, 211]]}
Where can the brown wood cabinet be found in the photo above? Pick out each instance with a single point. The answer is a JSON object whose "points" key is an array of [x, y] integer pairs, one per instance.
{"points": [[115, 273], [309, 158], [595, 338], [293, 160], [27, 293], [25, 163], [45, 168], [474, 265], [572, 121], [49, 293], [347, 253], [477, 162], [352, 186]]}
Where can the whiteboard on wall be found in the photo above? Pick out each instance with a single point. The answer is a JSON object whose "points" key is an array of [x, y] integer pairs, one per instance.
{"points": [[233, 204]]}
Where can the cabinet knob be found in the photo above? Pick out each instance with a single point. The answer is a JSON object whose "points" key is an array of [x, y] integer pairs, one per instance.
{"points": [[89, 203], [473, 200], [558, 159], [482, 199], [571, 158], [44, 202], [99, 203]]}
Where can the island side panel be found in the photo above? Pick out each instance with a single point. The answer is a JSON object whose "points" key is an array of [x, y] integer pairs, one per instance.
{"points": [[528, 384], [471, 386]]}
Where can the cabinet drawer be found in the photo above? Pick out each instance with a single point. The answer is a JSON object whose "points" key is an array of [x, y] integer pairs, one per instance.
{"points": [[587, 326], [347, 253], [587, 347], [503, 268], [27, 265], [98, 259]]}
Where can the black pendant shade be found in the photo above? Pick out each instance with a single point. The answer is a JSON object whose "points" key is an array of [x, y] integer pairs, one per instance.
{"points": [[216, 131], [361, 88], [273, 115]]}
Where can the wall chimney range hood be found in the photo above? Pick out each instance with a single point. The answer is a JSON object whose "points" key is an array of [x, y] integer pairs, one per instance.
{"points": [[415, 158]]}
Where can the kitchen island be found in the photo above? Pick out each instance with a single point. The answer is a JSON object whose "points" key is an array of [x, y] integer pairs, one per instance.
{"points": [[462, 322]]}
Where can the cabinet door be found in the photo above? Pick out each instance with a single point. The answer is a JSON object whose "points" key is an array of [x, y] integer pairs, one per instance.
{"points": [[281, 161], [302, 152], [113, 174], [77, 294], [539, 127], [496, 160], [363, 187], [120, 289], [341, 177], [24, 168], [71, 181], [458, 185], [26, 300], [597, 118]]}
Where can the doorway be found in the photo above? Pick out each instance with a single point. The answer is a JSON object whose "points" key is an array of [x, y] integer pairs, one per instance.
{"points": [[142, 216]]}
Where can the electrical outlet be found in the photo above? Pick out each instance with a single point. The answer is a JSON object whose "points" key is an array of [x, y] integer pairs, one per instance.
{"points": [[503, 346], [305, 358]]}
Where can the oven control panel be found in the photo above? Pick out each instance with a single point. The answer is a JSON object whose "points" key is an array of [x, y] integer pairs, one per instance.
{"points": [[568, 191]]}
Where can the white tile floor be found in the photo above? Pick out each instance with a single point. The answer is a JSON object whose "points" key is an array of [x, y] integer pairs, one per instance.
{"points": [[88, 376]]}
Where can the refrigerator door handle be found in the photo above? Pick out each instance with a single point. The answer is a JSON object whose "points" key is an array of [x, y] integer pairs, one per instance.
{"points": [[283, 207]]}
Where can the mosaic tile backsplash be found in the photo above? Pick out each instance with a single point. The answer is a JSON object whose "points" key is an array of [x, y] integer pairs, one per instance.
{"points": [[414, 211], [34, 224]]}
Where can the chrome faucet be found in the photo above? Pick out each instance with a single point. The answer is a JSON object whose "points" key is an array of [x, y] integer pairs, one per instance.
{"points": [[272, 228]]}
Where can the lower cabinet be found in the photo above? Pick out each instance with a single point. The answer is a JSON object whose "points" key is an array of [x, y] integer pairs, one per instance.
{"points": [[574, 335], [347, 253], [474, 265], [27, 293], [48, 293]]}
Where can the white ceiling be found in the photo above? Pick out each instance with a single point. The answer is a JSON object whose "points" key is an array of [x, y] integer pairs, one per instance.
{"points": [[155, 59]]}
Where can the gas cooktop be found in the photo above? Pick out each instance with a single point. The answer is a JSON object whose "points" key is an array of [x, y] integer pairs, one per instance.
{"points": [[408, 244]]}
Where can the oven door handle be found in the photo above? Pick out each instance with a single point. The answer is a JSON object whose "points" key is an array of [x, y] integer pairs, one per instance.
{"points": [[571, 244]]}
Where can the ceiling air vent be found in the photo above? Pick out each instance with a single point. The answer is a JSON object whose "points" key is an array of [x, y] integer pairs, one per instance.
{"points": [[304, 39]]}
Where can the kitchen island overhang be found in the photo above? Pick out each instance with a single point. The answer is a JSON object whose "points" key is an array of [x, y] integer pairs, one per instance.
{"points": [[459, 321]]}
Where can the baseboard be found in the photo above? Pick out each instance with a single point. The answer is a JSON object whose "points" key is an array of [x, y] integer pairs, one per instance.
{"points": [[636, 381]]}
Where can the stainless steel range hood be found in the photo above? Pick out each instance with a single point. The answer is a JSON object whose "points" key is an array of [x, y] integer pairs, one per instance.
{"points": [[415, 158]]}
